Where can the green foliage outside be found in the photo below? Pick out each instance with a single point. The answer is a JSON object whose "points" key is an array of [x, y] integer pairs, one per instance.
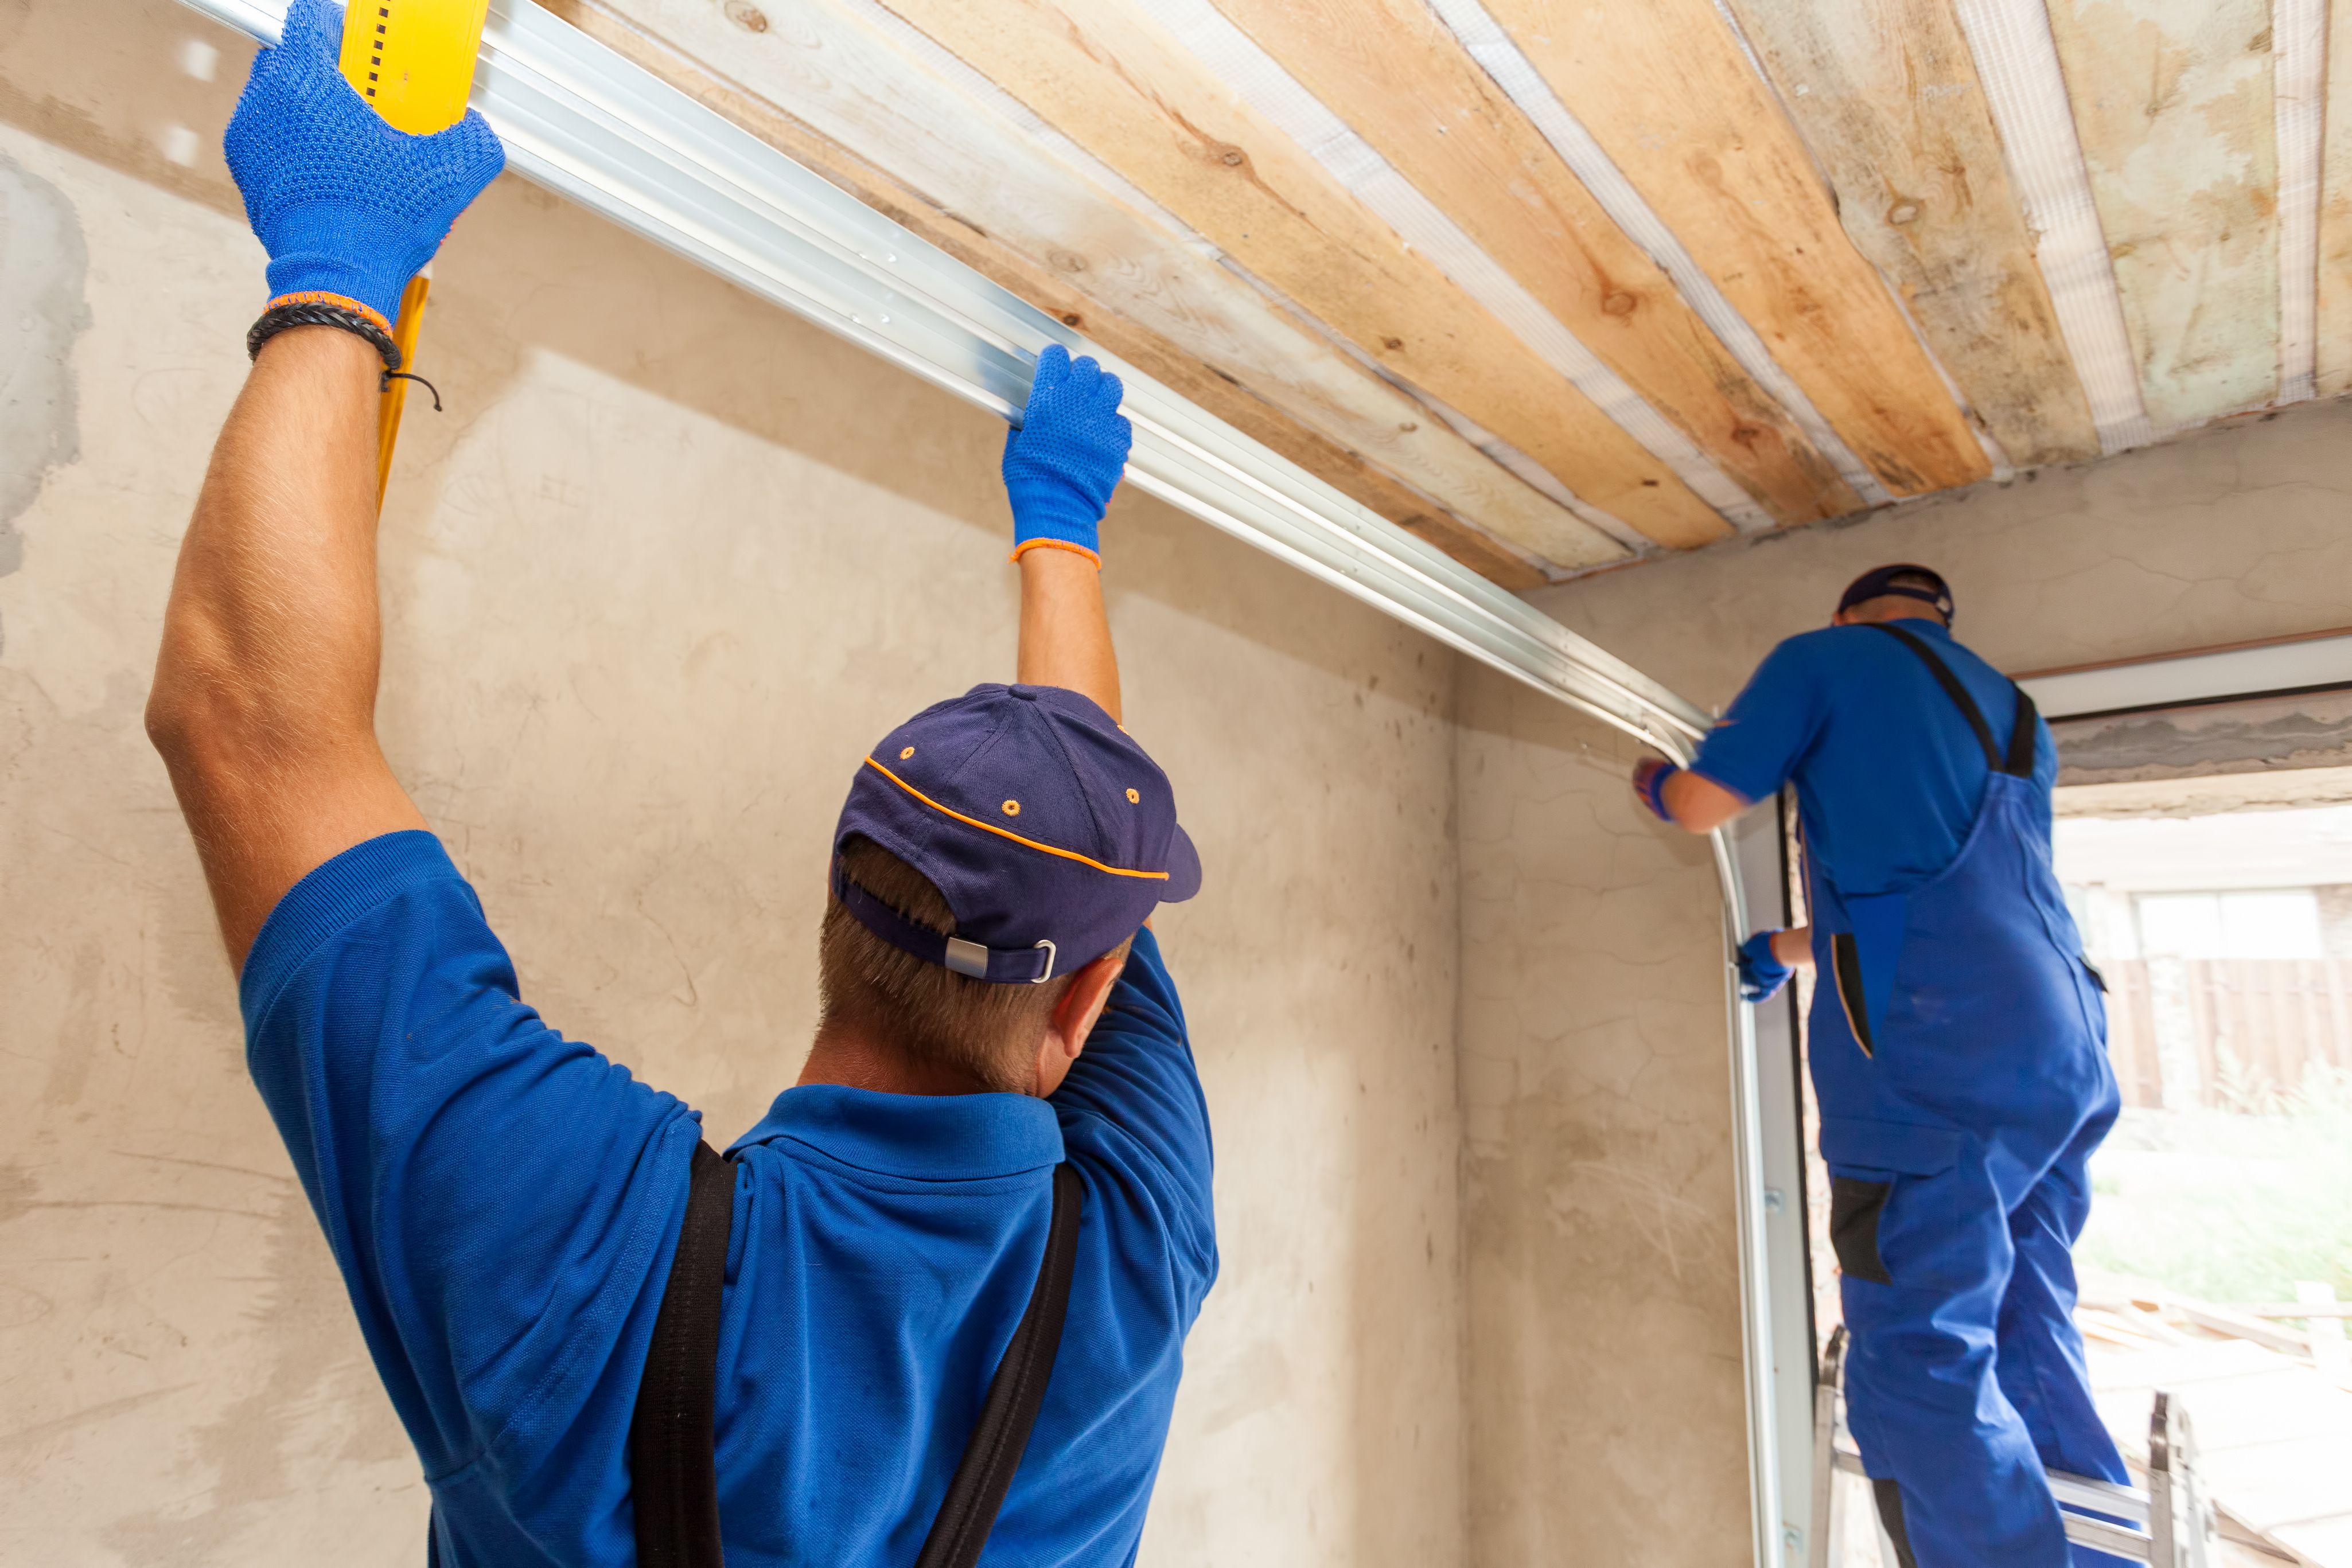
{"points": [[2230, 1204]]}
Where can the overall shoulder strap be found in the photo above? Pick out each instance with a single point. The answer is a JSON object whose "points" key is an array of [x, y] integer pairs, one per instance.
{"points": [[1957, 692], [2021, 735], [984, 1474], [673, 1461]]}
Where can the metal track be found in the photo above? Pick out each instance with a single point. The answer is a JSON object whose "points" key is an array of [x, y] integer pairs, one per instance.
{"points": [[602, 131], [605, 132]]}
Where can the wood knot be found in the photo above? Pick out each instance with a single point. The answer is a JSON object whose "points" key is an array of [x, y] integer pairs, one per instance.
{"points": [[745, 15], [1067, 260], [1903, 212], [1393, 343], [1618, 302]]}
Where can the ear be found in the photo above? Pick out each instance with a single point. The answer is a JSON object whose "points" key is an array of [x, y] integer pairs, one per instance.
{"points": [[1083, 1000]]}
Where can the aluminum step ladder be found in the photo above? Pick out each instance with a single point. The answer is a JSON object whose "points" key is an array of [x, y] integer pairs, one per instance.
{"points": [[2170, 1525]]}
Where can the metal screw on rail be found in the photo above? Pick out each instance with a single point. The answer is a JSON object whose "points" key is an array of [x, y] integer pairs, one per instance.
{"points": [[413, 60], [2168, 1525]]}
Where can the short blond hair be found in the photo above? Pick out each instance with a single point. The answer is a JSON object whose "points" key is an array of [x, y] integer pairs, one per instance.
{"points": [[924, 1011]]}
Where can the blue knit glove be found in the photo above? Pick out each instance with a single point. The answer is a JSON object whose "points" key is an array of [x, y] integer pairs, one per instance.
{"points": [[347, 208], [1761, 973], [1064, 460], [1650, 776]]}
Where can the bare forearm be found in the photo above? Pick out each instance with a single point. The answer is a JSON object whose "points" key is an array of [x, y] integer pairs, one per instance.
{"points": [[1064, 631], [1794, 947], [264, 699], [1700, 805]]}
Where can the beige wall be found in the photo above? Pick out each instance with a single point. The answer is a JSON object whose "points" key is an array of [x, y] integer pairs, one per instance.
{"points": [[668, 564], [1606, 1412]]}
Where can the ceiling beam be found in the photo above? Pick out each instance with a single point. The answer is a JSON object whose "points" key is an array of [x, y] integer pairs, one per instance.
{"points": [[1338, 465], [1666, 90], [1425, 106], [974, 177], [1887, 97], [2172, 102], [1104, 75]]}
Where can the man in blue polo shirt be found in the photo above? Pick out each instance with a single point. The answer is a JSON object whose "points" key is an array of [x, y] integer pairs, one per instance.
{"points": [[1958, 1052], [506, 1203]]}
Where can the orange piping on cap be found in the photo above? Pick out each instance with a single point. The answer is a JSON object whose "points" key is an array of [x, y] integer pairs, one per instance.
{"points": [[999, 832]]}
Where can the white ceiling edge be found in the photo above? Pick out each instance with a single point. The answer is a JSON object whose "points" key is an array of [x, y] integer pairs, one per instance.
{"points": [[2016, 58], [2200, 677], [2299, 54], [605, 132]]}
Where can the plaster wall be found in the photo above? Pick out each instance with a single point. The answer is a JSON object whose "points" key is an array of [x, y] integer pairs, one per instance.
{"points": [[1605, 1407], [668, 564]]}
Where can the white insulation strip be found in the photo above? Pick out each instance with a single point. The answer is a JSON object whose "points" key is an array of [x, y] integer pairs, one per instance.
{"points": [[2017, 59], [2299, 57], [1237, 60], [1486, 43]]}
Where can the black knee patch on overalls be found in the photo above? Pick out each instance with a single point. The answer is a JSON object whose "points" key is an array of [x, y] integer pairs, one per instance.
{"points": [[1855, 1208], [1890, 1514]]}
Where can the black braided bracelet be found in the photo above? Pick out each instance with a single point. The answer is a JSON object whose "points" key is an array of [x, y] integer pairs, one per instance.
{"points": [[278, 317]]}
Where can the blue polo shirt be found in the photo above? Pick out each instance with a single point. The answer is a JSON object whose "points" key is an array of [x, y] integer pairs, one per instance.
{"points": [[504, 1202], [1889, 775]]}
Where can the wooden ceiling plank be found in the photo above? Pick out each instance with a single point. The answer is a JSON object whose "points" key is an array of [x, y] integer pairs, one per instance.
{"points": [[1666, 90], [2172, 103], [897, 137], [1887, 94], [2335, 332], [1109, 78], [1402, 80]]}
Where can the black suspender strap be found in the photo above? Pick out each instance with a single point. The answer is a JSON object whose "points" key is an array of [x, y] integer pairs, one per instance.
{"points": [[984, 1474], [673, 1456], [2021, 736], [674, 1475], [2020, 760]]}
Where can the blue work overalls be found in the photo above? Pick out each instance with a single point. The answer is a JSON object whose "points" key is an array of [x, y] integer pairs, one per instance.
{"points": [[1959, 1045]]}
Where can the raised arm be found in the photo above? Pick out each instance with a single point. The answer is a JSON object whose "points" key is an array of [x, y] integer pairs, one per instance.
{"points": [[264, 701], [1060, 467]]}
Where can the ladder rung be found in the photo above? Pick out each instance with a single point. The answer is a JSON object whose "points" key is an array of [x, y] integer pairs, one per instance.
{"points": [[2099, 1497], [2101, 1536], [2074, 1492]]}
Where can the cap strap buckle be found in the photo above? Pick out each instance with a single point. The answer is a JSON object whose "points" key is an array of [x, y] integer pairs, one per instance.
{"points": [[1000, 966]]}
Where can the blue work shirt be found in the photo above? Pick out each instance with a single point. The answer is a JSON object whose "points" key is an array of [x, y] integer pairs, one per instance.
{"points": [[504, 1202], [1889, 775]]}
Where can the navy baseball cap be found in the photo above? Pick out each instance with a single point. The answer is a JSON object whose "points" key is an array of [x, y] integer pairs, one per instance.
{"points": [[1879, 581], [1049, 831]]}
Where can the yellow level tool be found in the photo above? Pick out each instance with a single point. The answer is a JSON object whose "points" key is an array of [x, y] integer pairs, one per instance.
{"points": [[413, 60]]}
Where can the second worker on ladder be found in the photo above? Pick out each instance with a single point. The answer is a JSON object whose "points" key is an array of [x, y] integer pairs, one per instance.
{"points": [[1958, 1051]]}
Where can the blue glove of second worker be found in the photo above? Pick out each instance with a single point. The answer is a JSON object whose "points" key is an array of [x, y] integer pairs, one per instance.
{"points": [[1761, 973], [347, 208], [1650, 776], [1064, 459]]}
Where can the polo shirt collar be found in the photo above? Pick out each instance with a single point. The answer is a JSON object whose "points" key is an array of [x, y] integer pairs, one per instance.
{"points": [[926, 1138], [1926, 626]]}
